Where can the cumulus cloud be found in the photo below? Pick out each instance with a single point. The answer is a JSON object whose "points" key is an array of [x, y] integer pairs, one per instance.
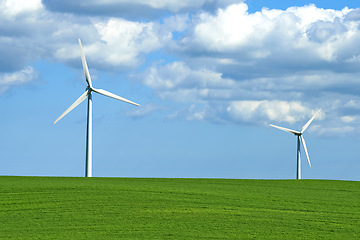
{"points": [[115, 45], [215, 98], [301, 38], [271, 65], [30, 33], [216, 60], [128, 38], [119, 44], [279, 111], [178, 75], [12, 9]]}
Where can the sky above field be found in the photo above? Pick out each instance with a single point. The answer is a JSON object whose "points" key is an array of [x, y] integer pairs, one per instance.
{"points": [[210, 77]]}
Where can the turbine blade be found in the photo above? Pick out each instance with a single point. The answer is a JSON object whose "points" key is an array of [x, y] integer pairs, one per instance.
{"points": [[85, 67], [109, 94], [77, 102], [306, 152], [308, 123], [286, 129]]}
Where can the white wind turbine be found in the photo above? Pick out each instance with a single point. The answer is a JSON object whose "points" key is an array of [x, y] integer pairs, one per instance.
{"points": [[299, 136], [88, 94]]}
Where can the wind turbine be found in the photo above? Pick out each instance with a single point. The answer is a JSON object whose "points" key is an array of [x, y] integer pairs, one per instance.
{"points": [[88, 94], [299, 136]]}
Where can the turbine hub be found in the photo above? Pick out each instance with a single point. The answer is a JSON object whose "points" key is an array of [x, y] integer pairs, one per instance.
{"points": [[88, 88]]}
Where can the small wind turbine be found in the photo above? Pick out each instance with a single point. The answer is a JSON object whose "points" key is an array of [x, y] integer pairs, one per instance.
{"points": [[88, 94], [299, 136]]}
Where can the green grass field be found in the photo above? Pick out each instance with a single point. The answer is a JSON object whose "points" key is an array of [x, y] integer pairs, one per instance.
{"points": [[135, 208]]}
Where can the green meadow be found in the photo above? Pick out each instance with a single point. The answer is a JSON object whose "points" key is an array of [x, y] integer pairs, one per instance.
{"points": [[155, 208]]}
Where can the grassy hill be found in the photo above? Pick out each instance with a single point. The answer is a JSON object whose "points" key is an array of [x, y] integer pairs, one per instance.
{"points": [[132, 208]]}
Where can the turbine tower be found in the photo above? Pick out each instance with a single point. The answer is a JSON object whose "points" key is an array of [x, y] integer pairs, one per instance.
{"points": [[299, 137], [88, 93]]}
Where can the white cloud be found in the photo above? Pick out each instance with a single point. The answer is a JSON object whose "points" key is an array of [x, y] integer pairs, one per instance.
{"points": [[228, 65], [275, 111], [340, 131], [124, 41], [348, 119], [117, 44], [178, 75], [274, 65], [196, 114], [289, 99], [15, 8], [30, 34], [298, 35], [23, 76], [229, 29], [177, 23]]}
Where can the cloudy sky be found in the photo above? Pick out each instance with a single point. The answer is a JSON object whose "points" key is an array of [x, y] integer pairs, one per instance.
{"points": [[210, 76]]}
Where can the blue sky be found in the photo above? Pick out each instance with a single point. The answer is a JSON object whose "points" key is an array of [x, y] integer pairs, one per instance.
{"points": [[210, 77]]}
